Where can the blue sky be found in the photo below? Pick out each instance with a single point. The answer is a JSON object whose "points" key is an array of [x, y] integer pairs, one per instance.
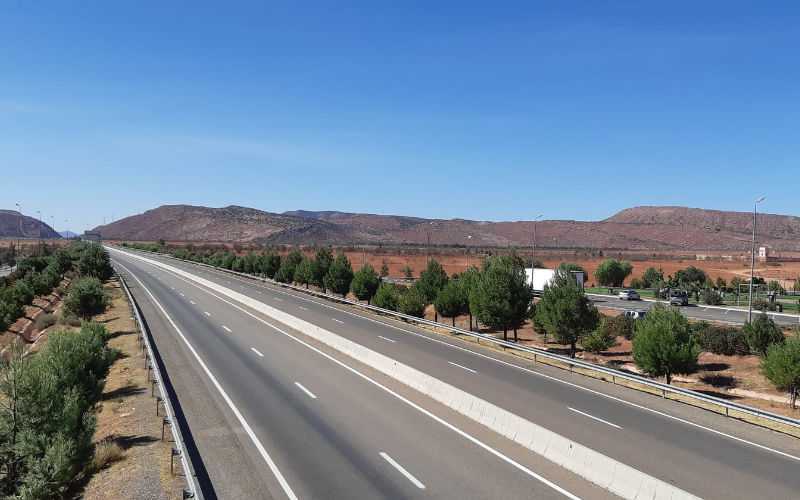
{"points": [[498, 111]]}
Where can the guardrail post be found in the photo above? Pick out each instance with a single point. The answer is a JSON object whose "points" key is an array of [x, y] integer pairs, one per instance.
{"points": [[187, 494], [164, 423], [158, 403], [175, 453], [153, 384]]}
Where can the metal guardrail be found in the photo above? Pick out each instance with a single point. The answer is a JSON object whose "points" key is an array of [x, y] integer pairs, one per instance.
{"points": [[193, 490], [572, 363]]}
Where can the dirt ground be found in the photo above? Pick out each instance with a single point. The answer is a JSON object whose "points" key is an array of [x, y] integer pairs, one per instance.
{"points": [[127, 417]]}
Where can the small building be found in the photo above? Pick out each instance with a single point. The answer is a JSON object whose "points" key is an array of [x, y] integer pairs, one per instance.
{"points": [[763, 254]]}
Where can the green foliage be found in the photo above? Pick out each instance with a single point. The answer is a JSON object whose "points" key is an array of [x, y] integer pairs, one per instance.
{"points": [[288, 267], [304, 272], [365, 283], [619, 326], [384, 269], [775, 286], [23, 292], [724, 340], [711, 297], [322, 263], [86, 298], [339, 276], [612, 272], [431, 280], [565, 312], [691, 278], [452, 300], [412, 302], [652, 277], [407, 271], [46, 423], [781, 366], [270, 263], [762, 333], [501, 297], [663, 344], [387, 296], [601, 339], [93, 261]]}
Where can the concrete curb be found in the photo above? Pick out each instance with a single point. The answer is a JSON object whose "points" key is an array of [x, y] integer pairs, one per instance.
{"points": [[618, 478]]}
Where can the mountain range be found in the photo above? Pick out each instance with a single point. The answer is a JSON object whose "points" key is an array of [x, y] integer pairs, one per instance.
{"points": [[16, 225], [638, 228]]}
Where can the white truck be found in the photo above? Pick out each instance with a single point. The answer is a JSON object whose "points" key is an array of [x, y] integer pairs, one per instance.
{"points": [[539, 277]]}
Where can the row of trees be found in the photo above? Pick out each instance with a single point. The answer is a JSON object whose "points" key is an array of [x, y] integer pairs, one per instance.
{"points": [[664, 343], [40, 274]]}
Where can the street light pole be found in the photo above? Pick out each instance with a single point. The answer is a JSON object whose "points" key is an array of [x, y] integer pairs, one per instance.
{"points": [[753, 262], [533, 247]]}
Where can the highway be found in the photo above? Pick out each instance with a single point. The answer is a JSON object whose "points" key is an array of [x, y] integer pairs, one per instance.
{"points": [[274, 409], [697, 312]]}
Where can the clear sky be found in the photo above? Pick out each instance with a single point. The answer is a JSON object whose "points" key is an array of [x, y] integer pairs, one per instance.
{"points": [[573, 109]]}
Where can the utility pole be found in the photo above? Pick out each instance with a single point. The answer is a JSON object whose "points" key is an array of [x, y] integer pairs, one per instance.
{"points": [[753, 262], [533, 245], [18, 249]]}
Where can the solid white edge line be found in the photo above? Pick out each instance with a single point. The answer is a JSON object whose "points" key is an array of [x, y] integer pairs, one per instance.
{"points": [[256, 351], [386, 339], [249, 430], [416, 482], [593, 417], [308, 393], [405, 400], [533, 372], [226, 329], [462, 367]]}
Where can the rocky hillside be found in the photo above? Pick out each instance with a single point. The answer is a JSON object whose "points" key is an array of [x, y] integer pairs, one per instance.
{"points": [[15, 225], [640, 228]]}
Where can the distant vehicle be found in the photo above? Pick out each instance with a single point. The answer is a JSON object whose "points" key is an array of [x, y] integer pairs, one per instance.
{"points": [[629, 295], [637, 314], [678, 298]]}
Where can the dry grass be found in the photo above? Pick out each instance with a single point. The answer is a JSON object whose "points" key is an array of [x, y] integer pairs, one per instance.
{"points": [[45, 320], [106, 452]]}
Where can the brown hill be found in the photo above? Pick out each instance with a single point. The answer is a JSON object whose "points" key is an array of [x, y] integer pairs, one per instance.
{"points": [[640, 228], [15, 225]]}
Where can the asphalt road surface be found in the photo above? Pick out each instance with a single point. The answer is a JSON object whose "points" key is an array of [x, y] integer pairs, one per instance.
{"points": [[300, 419], [697, 312]]}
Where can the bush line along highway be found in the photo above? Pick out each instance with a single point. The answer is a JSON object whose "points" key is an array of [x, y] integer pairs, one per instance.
{"points": [[329, 432]]}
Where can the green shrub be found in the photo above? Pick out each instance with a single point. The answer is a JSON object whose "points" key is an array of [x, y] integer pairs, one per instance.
{"points": [[781, 366], [86, 298], [761, 333], [23, 292], [48, 436], [663, 344], [412, 303], [365, 283], [452, 300], [93, 261], [712, 297], [724, 340], [619, 326], [339, 276], [601, 339], [387, 297]]}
